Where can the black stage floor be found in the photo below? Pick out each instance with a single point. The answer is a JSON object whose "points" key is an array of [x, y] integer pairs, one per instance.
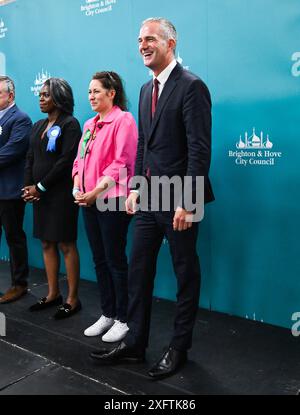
{"points": [[230, 355]]}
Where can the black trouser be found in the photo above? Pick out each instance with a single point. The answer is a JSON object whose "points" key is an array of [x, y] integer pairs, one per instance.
{"points": [[11, 219], [107, 235], [149, 230]]}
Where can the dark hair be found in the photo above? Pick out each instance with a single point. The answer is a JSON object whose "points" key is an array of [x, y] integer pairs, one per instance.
{"points": [[61, 94], [111, 80]]}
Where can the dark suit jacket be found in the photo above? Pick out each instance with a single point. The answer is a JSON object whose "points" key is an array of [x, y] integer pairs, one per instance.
{"points": [[14, 141], [178, 139], [53, 169]]}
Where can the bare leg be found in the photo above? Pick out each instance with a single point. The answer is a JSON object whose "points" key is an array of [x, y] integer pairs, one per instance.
{"points": [[51, 260], [71, 257]]}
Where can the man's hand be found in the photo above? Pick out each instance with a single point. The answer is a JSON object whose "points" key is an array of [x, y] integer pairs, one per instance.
{"points": [[30, 194], [183, 220], [131, 202]]}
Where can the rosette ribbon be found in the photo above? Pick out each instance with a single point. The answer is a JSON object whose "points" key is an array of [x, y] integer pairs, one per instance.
{"points": [[53, 135]]}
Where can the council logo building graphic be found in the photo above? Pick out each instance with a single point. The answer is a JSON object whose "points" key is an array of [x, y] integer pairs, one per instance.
{"points": [[255, 150], [40, 79], [254, 141]]}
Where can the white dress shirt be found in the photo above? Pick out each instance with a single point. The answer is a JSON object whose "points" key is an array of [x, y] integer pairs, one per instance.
{"points": [[3, 112], [164, 76]]}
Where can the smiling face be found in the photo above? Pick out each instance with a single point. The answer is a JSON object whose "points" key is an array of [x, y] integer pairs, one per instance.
{"points": [[101, 99], [157, 51], [46, 102]]}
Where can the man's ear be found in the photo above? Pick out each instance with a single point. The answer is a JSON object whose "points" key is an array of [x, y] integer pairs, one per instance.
{"points": [[11, 97], [172, 44]]}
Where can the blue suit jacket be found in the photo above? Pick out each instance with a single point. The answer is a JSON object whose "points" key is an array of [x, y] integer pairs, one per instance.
{"points": [[15, 129]]}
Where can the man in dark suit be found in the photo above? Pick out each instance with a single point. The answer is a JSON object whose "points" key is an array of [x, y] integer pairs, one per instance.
{"points": [[15, 128], [174, 140]]}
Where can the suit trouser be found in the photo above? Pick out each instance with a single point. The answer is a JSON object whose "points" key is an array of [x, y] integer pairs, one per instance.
{"points": [[149, 230], [11, 219]]}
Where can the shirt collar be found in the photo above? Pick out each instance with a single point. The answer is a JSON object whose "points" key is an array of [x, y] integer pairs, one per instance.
{"points": [[109, 118], [164, 75], [3, 112]]}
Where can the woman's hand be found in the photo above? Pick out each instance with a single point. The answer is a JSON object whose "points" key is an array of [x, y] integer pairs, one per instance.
{"points": [[86, 199], [30, 194]]}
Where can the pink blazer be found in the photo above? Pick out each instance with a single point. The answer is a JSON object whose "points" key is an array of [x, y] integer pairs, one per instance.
{"points": [[111, 152]]}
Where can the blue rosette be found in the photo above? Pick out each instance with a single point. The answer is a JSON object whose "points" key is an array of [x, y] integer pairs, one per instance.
{"points": [[53, 135]]}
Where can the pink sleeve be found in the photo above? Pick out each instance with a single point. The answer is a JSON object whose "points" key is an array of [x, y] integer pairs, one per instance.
{"points": [[125, 149], [75, 167]]}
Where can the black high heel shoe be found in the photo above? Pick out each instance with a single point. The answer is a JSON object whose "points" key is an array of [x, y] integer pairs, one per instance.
{"points": [[42, 304]]}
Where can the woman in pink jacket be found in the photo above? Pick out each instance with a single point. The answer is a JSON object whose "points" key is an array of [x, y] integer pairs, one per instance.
{"points": [[102, 169]]}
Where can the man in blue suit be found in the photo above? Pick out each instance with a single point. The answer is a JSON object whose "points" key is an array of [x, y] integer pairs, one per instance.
{"points": [[15, 129], [174, 141]]}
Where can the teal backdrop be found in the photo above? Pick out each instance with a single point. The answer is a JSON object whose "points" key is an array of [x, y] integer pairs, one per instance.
{"points": [[248, 53]]}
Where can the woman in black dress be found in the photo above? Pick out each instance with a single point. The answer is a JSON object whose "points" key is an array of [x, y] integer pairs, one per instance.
{"points": [[48, 184]]}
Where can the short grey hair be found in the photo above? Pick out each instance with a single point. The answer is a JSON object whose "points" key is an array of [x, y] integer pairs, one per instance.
{"points": [[10, 86], [167, 27]]}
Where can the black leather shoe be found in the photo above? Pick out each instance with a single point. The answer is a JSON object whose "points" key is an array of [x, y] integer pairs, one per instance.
{"points": [[66, 310], [170, 362], [122, 353], [42, 304]]}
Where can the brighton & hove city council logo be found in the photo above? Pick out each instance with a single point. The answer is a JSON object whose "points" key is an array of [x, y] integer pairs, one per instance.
{"points": [[93, 8], [40, 79], [254, 150]]}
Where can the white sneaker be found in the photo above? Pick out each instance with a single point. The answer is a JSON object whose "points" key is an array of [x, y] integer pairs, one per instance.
{"points": [[104, 323], [116, 333]]}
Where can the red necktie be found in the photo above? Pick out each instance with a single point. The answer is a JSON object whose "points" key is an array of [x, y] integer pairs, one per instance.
{"points": [[154, 96]]}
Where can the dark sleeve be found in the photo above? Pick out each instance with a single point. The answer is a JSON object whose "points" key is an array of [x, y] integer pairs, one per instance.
{"points": [[71, 134], [140, 146], [17, 144], [28, 177], [197, 121]]}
